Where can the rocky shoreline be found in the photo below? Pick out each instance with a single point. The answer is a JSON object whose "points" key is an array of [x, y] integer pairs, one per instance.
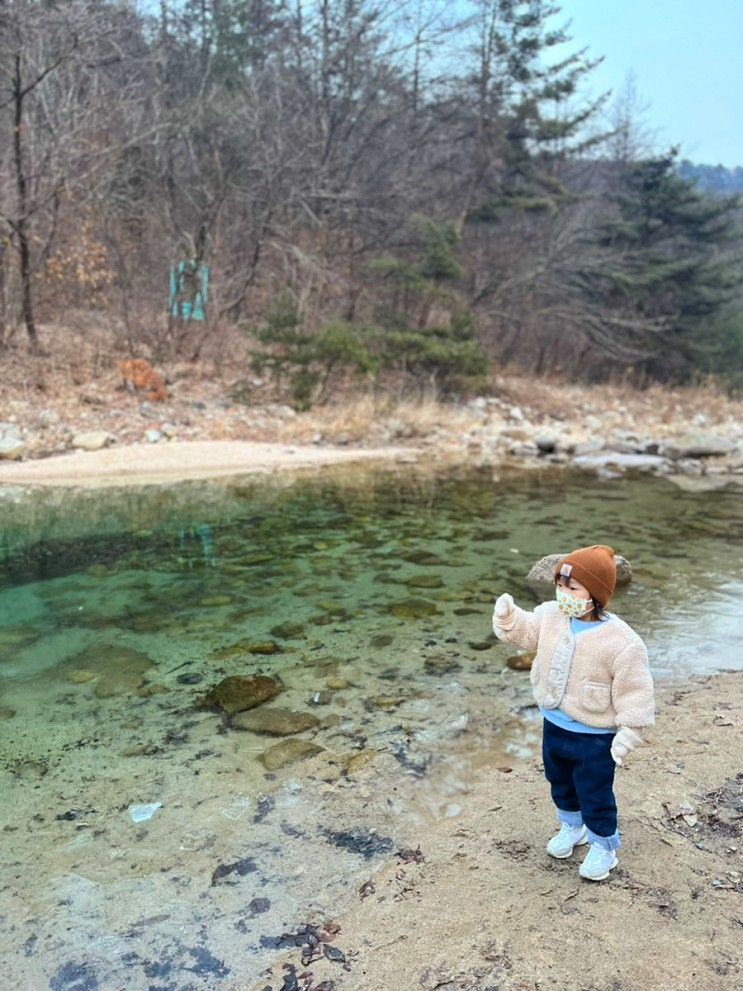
{"points": [[476, 902], [700, 452]]}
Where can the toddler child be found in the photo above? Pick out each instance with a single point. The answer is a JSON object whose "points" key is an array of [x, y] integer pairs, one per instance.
{"points": [[591, 679]]}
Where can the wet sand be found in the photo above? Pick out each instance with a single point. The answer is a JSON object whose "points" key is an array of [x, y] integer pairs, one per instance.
{"points": [[487, 908], [156, 464]]}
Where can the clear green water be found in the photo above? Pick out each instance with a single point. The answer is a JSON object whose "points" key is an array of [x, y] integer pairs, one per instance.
{"points": [[420, 701]]}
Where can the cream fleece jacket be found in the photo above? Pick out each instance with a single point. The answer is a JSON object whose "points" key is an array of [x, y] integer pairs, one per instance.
{"points": [[600, 678]]}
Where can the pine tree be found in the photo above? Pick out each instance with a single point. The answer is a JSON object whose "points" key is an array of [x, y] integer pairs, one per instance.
{"points": [[660, 272], [526, 124]]}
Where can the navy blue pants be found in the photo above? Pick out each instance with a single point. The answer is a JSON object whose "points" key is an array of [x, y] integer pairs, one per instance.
{"points": [[580, 770]]}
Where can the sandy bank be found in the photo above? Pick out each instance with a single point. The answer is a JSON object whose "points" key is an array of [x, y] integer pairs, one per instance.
{"points": [[488, 909], [149, 464]]}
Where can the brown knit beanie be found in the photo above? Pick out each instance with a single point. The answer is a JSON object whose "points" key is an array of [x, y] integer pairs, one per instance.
{"points": [[593, 567]]}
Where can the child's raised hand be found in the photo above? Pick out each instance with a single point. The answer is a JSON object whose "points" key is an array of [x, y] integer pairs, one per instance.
{"points": [[504, 606]]}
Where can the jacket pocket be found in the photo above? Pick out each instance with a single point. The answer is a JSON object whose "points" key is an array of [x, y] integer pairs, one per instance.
{"points": [[595, 696], [534, 672]]}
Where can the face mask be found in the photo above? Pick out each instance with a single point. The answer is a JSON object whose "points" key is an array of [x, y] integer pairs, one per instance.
{"points": [[572, 606]]}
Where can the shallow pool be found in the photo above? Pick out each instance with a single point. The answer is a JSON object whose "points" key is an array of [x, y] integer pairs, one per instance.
{"points": [[367, 594]]}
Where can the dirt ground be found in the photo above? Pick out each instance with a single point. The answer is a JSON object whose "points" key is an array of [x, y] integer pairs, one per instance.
{"points": [[482, 907]]}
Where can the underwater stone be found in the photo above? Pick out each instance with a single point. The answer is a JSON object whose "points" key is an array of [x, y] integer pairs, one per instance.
{"points": [[98, 571], [151, 688], [337, 684], [234, 650], [482, 644], [288, 752], [239, 692], [423, 558], [425, 581], [520, 662], [79, 676], [382, 640], [6, 713], [266, 647], [216, 600], [355, 761], [275, 721], [439, 664], [389, 701], [117, 684], [287, 631], [414, 609]]}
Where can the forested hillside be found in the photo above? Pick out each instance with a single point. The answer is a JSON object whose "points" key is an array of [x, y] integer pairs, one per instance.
{"points": [[375, 188]]}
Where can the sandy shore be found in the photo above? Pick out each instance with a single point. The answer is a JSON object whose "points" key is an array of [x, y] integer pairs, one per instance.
{"points": [[149, 464], [487, 908]]}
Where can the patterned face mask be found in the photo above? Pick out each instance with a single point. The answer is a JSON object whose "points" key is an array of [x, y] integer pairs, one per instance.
{"points": [[571, 605]]}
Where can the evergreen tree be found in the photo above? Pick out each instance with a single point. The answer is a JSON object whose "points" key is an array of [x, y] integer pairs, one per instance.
{"points": [[660, 273], [527, 125]]}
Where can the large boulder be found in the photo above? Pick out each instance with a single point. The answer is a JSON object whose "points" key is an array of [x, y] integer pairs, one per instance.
{"points": [[543, 572], [698, 446]]}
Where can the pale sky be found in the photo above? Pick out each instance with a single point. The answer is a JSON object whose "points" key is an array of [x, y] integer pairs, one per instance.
{"points": [[687, 61]]}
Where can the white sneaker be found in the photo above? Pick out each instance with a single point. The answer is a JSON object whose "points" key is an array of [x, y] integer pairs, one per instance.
{"points": [[598, 863], [562, 843]]}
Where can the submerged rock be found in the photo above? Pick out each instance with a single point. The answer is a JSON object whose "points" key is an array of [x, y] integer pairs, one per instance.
{"points": [[355, 761], [288, 752], [6, 712], [439, 664], [381, 640], [287, 631], [216, 600], [389, 701], [425, 581], [79, 676], [239, 692], [425, 558], [119, 669], [275, 721], [414, 609], [265, 647]]}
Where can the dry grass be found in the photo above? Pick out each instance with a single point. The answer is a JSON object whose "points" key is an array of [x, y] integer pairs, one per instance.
{"points": [[360, 419], [78, 380]]}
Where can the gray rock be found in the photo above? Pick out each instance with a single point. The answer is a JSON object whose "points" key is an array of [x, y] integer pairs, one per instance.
{"points": [[523, 450], [698, 446], [11, 447], [543, 572], [588, 447], [546, 444], [615, 459], [93, 440]]}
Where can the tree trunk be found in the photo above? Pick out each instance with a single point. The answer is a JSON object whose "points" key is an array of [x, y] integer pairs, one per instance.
{"points": [[21, 225]]}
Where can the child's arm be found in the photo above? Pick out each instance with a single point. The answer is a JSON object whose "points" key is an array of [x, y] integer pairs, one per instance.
{"points": [[517, 626], [632, 692]]}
